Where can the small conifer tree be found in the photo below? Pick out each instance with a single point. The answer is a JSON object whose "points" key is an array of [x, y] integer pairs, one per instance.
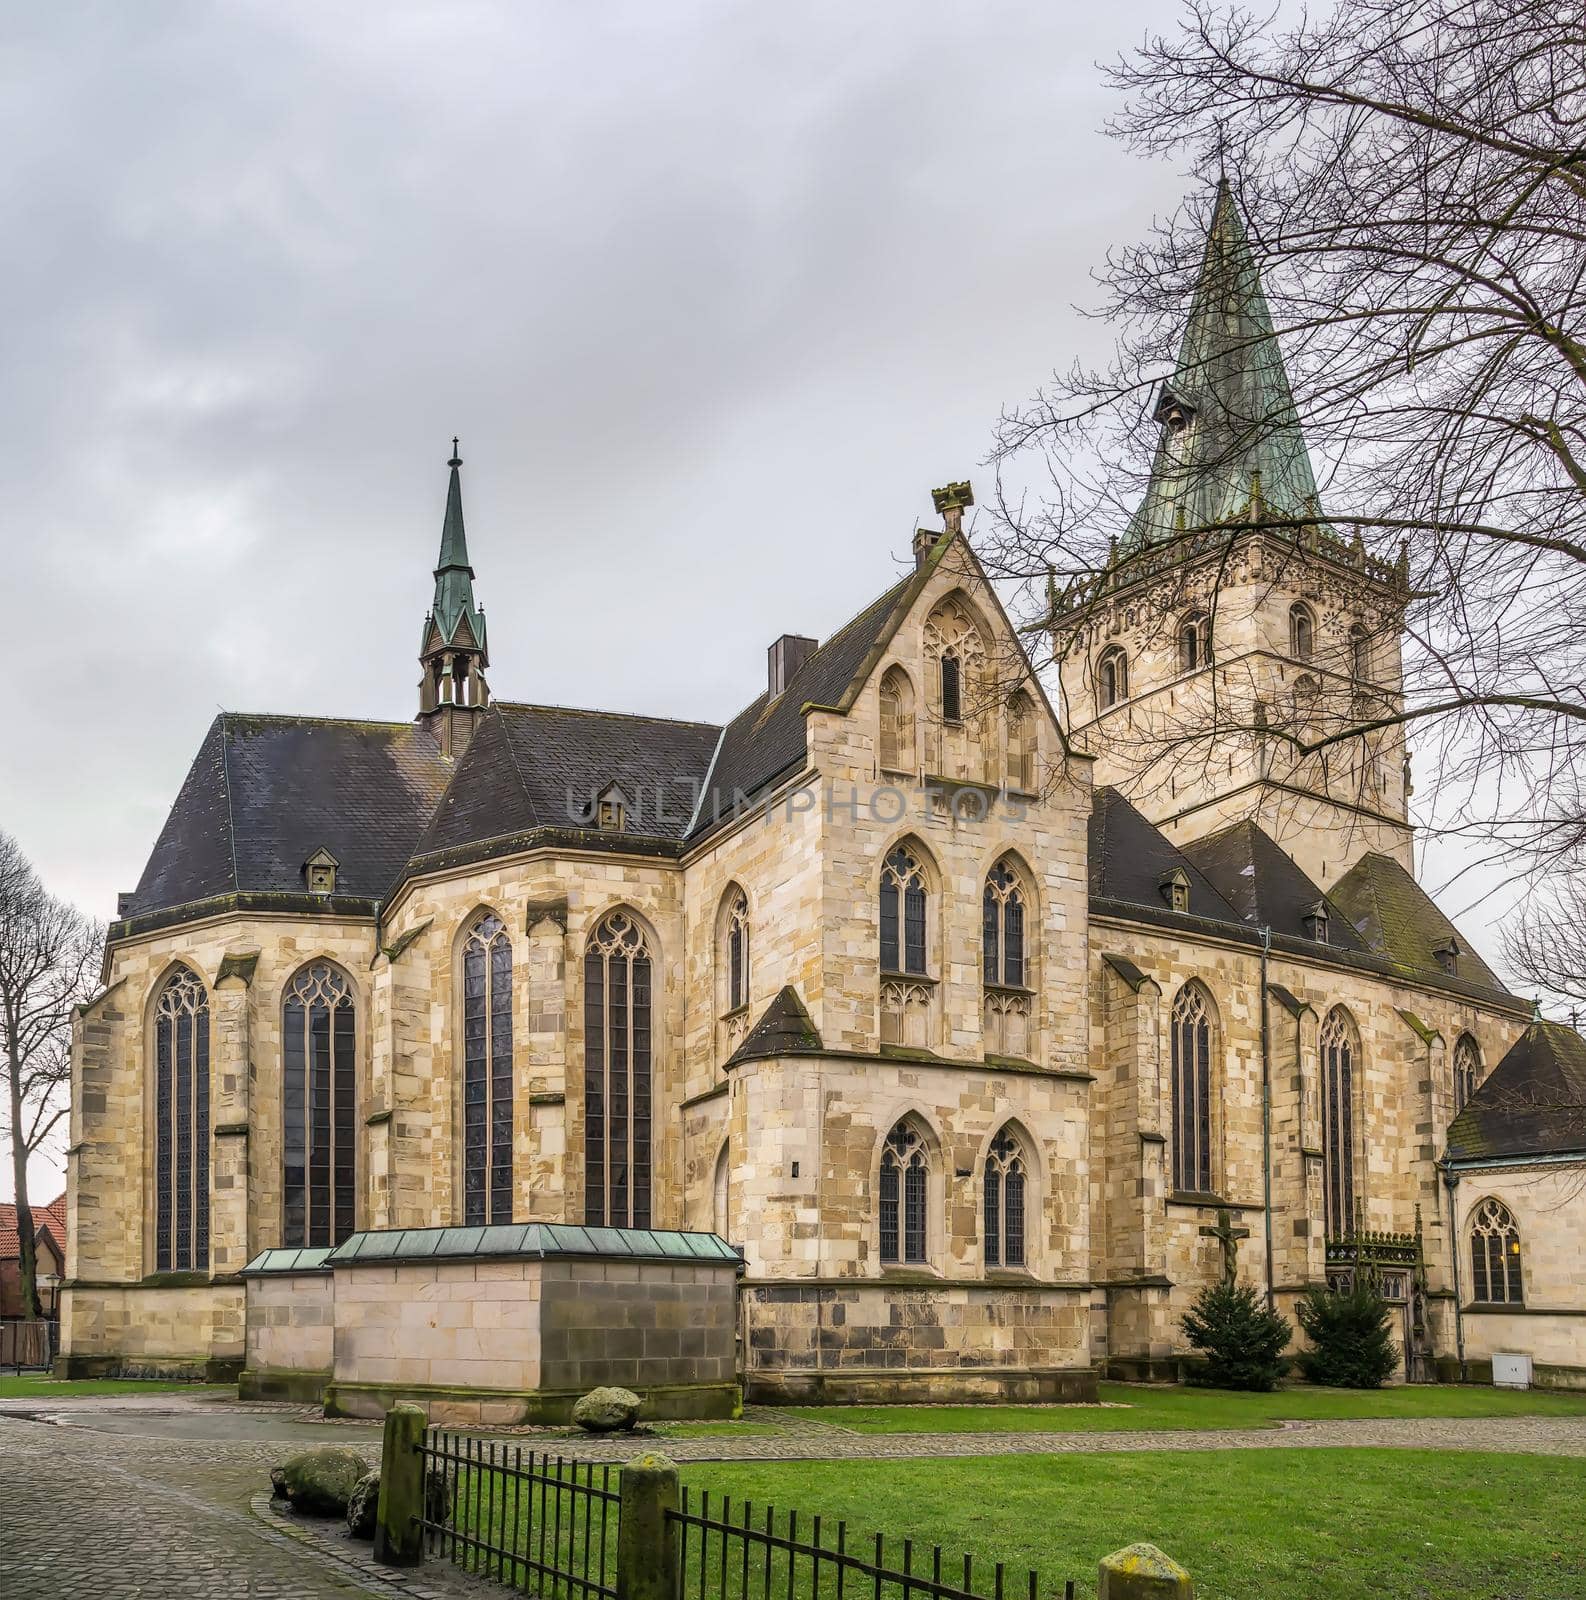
{"points": [[1241, 1337], [1348, 1330]]}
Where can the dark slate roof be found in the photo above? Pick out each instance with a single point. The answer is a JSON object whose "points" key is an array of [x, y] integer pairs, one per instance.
{"points": [[766, 739], [1533, 1103], [1264, 885], [530, 767], [1396, 916], [784, 1030], [267, 791], [1129, 858]]}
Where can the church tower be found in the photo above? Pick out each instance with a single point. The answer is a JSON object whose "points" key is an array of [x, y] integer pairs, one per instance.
{"points": [[1232, 623], [453, 651]]}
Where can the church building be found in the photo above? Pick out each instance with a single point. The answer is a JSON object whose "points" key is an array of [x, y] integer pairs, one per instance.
{"points": [[985, 1043]]}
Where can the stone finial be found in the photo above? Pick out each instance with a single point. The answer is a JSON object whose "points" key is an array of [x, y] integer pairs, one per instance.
{"points": [[1142, 1572], [951, 501]]}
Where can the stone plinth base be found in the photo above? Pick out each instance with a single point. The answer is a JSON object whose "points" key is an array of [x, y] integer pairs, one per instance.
{"points": [[857, 1386], [307, 1388], [178, 1326], [547, 1407]]}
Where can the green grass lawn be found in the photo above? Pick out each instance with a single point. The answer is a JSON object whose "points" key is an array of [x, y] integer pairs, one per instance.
{"points": [[1295, 1524], [38, 1387], [1140, 1406]]}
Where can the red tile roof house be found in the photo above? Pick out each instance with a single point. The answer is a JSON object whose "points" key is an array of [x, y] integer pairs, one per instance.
{"points": [[50, 1225]]}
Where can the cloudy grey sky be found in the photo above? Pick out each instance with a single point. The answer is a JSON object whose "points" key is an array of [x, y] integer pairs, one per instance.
{"points": [[714, 294]]}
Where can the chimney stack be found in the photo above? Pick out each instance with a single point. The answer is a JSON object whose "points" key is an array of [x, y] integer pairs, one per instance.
{"points": [[784, 659]]}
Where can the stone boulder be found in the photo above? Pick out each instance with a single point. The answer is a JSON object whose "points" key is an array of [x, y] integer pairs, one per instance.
{"points": [[607, 1411], [362, 1505], [319, 1483]]}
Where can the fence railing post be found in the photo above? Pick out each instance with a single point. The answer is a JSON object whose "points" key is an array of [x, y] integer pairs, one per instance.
{"points": [[646, 1536], [1142, 1572], [398, 1535]]}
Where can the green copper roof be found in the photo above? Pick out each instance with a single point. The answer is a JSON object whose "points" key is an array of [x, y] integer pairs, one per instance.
{"points": [[1227, 413], [536, 1239], [454, 578]]}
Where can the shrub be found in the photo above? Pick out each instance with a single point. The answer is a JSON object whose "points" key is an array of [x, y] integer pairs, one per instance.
{"points": [[1349, 1337], [1241, 1337]]}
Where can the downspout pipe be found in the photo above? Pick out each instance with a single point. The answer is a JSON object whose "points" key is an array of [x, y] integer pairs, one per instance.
{"points": [[1266, 1111], [1451, 1183]]}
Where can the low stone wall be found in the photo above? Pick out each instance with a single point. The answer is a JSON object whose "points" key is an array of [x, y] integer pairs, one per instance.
{"points": [[914, 1340], [152, 1330], [291, 1335], [1555, 1341]]}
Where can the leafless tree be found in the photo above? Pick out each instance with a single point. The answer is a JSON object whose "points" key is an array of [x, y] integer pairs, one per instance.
{"points": [[49, 958], [1412, 178]]}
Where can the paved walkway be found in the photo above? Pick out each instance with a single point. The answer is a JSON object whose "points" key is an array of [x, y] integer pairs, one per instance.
{"points": [[163, 1495]]}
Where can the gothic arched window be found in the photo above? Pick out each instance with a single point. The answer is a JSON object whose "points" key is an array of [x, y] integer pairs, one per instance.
{"points": [[1194, 642], [1338, 1050], [1005, 962], [1004, 1199], [1021, 742], [903, 902], [1359, 654], [735, 950], [898, 748], [1302, 631], [952, 687], [905, 1169], [1467, 1071], [1192, 1091], [487, 1073], [318, 1094], [617, 1069], [181, 1122], [1495, 1276], [1112, 678]]}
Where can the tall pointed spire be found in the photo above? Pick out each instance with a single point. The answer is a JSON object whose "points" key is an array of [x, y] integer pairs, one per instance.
{"points": [[454, 577], [1231, 445], [453, 650]]}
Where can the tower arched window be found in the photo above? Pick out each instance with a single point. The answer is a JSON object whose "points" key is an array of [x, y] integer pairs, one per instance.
{"points": [[1339, 1063], [617, 1074], [1005, 962], [1467, 1070], [1112, 678], [898, 746], [905, 991], [1194, 642], [1302, 631], [1495, 1267], [1021, 742], [487, 1073], [1192, 1090], [1004, 1190], [905, 1171], [319, 1087], [181, 1122], [1359, 654]]}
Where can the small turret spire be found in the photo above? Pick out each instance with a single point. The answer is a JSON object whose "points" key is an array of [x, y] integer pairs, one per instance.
{"points": [[453, 650]]}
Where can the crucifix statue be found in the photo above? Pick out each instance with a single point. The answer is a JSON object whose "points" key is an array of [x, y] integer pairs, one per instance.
{"points": [[1228, 1236]]}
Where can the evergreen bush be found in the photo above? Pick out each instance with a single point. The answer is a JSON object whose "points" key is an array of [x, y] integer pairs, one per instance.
{"points": [[1348, 1330], [1241, 1337]]}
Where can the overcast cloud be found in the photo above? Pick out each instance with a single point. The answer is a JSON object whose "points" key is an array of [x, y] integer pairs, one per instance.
{"points": [[713, 293]]}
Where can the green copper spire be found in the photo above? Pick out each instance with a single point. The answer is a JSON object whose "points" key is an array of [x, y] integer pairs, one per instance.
{"points": [[1231, 446], [454, 578]]}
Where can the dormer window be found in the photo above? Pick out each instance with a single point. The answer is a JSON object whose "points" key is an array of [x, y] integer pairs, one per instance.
{"points": [[1174, 887], [609, 815], [1446, 955], [320, 872], [1315, 921]]}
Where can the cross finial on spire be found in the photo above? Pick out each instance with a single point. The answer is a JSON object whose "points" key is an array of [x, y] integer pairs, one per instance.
{"points": [[456, 460]]}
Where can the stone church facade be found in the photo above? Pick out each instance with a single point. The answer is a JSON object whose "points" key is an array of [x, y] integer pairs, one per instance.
{"points": [[963, 1029]]}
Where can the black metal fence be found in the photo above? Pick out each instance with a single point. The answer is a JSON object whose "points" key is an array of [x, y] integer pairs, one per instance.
{"points": [[523, 1518], [27, 1344], [744, 1554]]}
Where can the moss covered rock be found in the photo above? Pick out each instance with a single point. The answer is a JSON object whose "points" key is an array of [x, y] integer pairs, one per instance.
{"points": [[362, 1505], [319, 1483], [607, 1410]]}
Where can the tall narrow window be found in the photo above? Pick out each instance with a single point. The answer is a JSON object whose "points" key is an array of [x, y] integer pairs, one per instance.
{"points": [[1004, 963], [1302, 631], [181, 1114], [1194, 642], [961, 737], [1192, 1091], [1112, 678], [1359, 654], [952, 688], [1021, 742], [904, 1171], [902, 913], [898, 750], [1338, 1122], [487, 1073], [1495, 1276], [319, 1088], [737, 953], [617, 978], [1467, 1071], [1004, 1199]]}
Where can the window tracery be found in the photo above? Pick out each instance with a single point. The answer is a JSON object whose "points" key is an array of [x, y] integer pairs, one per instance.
{"points": [[1337, 1044], [903, 1201], [319, 1093], [1004, 1188], [181, 1112], [617, 1074], [1192, 1113], [1495, 1265], [487, 1073]]}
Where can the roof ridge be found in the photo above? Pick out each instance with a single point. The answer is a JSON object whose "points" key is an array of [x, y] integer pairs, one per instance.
{"points": [[225, 784], [309, 716], [598, 711], [517, 769]]}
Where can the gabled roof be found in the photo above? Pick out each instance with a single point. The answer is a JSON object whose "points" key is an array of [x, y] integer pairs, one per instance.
{"points": [[1396, 916], [1265, 886], [266, 791], [1129, 859], [1533, 1103], [530, 767], [1230, 376], [50, 1219]]}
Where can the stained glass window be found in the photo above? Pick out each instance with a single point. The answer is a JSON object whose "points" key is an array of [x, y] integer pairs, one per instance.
{"points": [[319, 1093], [487, 1073], [1004, 1195], [903, 1196], [902, 891], [1467, 1070], [738, 953], [181, 1140], [1495, 1255], [617, 1071], [1192, 1091], [1338, 1122]]}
